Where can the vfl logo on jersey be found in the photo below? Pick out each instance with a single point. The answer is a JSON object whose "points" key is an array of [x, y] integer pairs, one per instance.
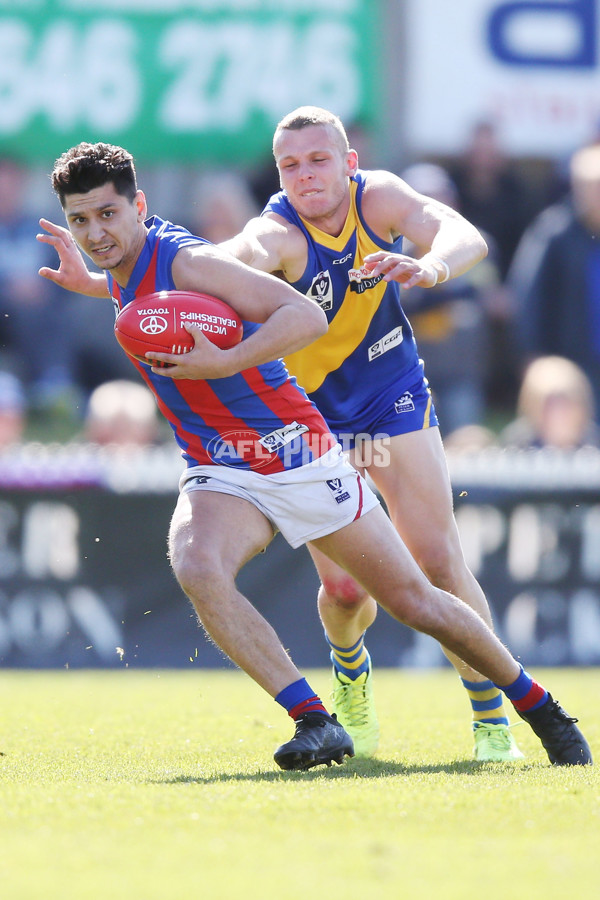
{"points": [[361, 281], [337, 489], [405, 403], [387, 342], [321, 291], [282, 436]]}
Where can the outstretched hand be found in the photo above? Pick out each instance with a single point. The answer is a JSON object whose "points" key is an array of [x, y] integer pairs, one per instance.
{"points": [[203, 361], [72, 273], [397, 267]]}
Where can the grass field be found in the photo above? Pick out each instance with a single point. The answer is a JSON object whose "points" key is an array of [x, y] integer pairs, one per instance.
{"points": [[154, 785]]}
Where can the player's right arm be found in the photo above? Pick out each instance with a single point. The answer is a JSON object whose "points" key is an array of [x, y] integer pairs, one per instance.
{"points": [[72, 273], [270, 244]]}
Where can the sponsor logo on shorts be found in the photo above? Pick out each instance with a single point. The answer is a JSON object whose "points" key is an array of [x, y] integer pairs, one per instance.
{"points": [[336, 487], [405, 403], [322, 291], [282, 436], [201, 479], [387, 342]]}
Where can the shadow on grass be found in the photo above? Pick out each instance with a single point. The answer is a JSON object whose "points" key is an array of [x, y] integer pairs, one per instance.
{"points": [[352, 769]]}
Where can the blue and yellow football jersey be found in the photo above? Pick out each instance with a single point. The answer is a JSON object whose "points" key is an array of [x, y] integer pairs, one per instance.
{"points": [[369, 349]]}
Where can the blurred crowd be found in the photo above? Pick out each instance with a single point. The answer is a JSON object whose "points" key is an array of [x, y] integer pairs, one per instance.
{"points": [[511, 349]]}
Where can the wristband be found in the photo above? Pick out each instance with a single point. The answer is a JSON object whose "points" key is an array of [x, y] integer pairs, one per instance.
{"points": [[445, 267]]}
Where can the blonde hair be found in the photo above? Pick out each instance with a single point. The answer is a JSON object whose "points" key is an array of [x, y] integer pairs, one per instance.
{"points": [[550, 376], [305, 116], [121, 412]]}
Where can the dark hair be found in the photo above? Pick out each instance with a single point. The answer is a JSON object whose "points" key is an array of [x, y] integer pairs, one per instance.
{"points": [[88, 166]]}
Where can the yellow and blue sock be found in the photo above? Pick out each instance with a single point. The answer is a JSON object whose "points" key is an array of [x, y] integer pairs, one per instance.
{"points": [[524, 693], [299, 698], [350, 661], [486, 702]]}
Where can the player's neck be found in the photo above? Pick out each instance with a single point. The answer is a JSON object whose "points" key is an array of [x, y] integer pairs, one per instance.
{"points": [[332, 223]]}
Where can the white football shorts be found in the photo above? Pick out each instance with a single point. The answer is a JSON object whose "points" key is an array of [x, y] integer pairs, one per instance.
{"points": [[303, 503]]}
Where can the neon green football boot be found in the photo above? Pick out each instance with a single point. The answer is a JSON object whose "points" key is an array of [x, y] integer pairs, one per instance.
{"points": [[354, 706], [495, 743]]}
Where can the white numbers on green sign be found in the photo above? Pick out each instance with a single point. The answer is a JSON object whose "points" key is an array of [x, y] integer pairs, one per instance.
{"points": [[189, 76], [69, 76], [222, 73]]}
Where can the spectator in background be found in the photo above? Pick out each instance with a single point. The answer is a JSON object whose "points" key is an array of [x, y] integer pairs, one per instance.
{"points": [[35, 328], [555, 408], [555, 276], [223, 205], [491, 193], [122, 413], [97, 357], [451, 321], [501, 203], [13, 410]]}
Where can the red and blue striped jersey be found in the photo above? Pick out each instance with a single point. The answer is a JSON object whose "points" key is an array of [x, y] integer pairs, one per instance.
{"points": [[259, 419]]}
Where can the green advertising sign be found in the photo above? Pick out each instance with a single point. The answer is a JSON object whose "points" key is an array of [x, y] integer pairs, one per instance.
{"points": [[178, 79]]}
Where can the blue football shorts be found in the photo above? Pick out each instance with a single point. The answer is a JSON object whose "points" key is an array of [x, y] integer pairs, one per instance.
{"points": [[395, 410]]}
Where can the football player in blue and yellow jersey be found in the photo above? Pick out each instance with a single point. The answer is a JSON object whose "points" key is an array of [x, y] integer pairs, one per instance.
{"points": [[335, 232]]}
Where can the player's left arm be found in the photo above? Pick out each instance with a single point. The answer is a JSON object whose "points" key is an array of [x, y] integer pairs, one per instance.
{"points": [[445, 244], [289, 320]]}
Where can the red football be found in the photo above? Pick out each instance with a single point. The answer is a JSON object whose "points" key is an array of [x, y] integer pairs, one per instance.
{"points": [[156, 322]]}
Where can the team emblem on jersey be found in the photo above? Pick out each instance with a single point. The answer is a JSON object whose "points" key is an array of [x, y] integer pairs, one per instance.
{"points": [[405, 403], [336, 487], [321, 291], [361, 281], [282, 436], [387, 342]]}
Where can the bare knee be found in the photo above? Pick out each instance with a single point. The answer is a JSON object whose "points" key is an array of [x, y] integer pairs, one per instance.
{"points": [[200, 575], [343, 591]]}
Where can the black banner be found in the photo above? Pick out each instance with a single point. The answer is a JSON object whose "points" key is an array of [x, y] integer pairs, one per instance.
{"points": [[85, 581]]}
